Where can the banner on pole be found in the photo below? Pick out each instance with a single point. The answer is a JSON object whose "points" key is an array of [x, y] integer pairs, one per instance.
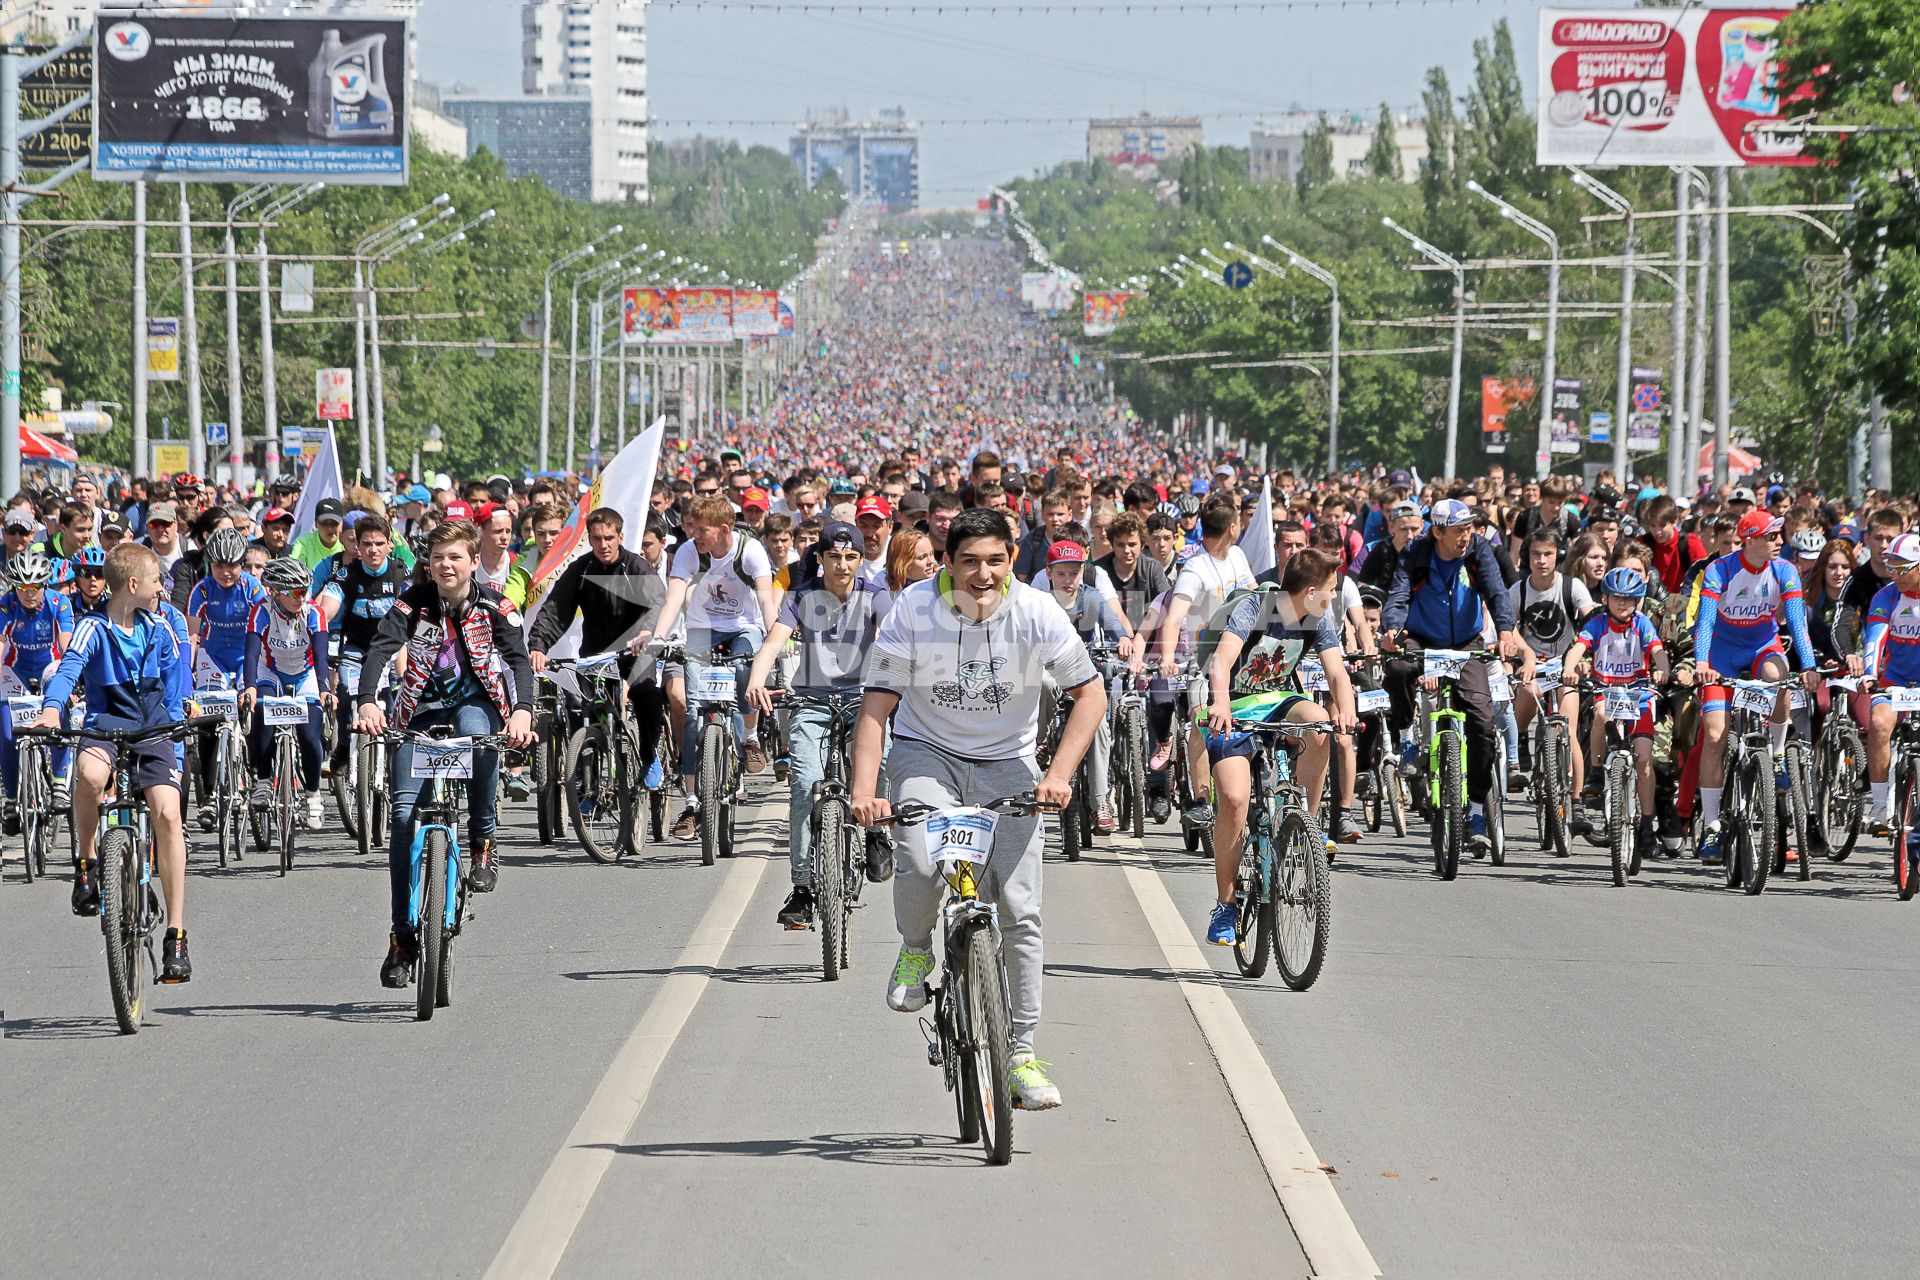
{"points": [[62, 81], [678, 317], [1102, 311], [1662, 87], [242, 99], [1567, 395], [756, 313], [1500, 397], [333, 394], [1643, 419], [163, 349]]}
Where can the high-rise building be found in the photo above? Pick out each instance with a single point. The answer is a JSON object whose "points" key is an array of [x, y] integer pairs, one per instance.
{"points": [[546, 138], [878, 161], [596, 50], [1275, 146], [1139, 143]]}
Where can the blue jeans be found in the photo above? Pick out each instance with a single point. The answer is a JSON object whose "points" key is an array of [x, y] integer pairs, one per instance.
{"points": [[699, 645], [467, 720], [807, 730]]}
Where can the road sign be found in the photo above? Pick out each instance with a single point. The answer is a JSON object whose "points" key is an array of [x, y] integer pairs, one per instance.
{"points": [[1237, 275], [291, 439], [217, 435], [296, 286]]}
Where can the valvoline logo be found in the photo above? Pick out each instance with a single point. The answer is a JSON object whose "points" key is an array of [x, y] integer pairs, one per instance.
{"points": [[128, 41], [349, 85]]}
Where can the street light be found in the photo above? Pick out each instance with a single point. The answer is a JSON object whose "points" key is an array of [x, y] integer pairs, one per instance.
{"points": [[1543, 447], [1325, 277], [1623, 392], [403, 232], [573, 348], [1452, 264], [546, 332], [459, 235], [269, 391]]}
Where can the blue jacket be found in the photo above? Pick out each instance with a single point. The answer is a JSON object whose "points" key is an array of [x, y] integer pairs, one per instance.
{"points": [[133, 681], [1421, 607]]}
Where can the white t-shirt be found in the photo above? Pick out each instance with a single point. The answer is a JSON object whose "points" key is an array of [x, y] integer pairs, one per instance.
{"points": [[718, 600], [1208, 582], [972, 689]]}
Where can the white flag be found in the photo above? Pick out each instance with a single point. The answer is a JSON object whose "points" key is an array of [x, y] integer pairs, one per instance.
{"points": [[323, 481], [1256, 540]]}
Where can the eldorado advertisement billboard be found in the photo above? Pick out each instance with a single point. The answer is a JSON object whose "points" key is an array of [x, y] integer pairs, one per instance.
{"points": [[1102, 311], [250, 99], [1662, 86]]}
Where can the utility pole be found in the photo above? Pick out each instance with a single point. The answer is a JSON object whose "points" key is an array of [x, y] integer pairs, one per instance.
{"points": [[190, 342], [1722, 333], [269, 404], [1677, 380], [140, 460]]}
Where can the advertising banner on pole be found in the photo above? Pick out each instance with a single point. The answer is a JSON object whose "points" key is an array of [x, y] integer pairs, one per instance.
{"points": [[1647, 400], [1102, 312], [65, 79], [1567, 397], [645, 314], [786, 315], [1500, 397], [756, 313], [250, 99], [333, 394], [163, 350], [702, 316], [1663, 86]]}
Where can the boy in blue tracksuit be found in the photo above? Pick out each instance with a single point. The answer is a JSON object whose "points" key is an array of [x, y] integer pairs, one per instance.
{"points": [[37, 625], [135, 668]]}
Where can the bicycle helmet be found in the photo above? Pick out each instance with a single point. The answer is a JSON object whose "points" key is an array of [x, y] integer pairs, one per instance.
{"points": [[62, 573], [286, 574], [1809, 542], [30, 569], [226, 546], [1624, 582], [1904, 551], [1189, 505], [1171, 510], [90, 558]]}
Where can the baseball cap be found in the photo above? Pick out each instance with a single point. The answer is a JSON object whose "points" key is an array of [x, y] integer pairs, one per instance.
{"points": [[1405, 507], [457, 510], [163, 511], [417, 493], [114, 524], [1602, 515], [269, 516], [1757, 524], [1401, 479], [329, 509], [1849, 531], [755, 498], [839, 535], [1225, 469], [1066, 551], [1200, 488], [1742, 494], [1450, 513], [484, 511], [1776, 491], [873, 505], [1904, 550], [18, 519]]}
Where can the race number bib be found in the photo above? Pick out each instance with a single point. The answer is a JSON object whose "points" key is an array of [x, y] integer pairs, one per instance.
{"points": [[11, 685], [1904, 698], [1755, 698], [283, 710], [1500, 686], [1623, 704], [1371, 700], [1797, 697], [1547, 675], [1444, 664], [224, 703], [961, 835], [1176, 684], [23, 709], [715, 684], [451, 758], [1313, 676]]}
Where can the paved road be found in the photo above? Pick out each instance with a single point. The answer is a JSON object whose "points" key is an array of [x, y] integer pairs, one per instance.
{"points": [[1523, 1073]]}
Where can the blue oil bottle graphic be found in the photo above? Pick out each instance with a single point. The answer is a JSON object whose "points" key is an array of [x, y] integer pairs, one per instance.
{"points": [[347, 89]]}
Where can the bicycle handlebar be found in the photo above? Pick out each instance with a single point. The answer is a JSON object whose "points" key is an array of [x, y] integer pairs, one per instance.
{"points": [[179, 729], [911, 813]]}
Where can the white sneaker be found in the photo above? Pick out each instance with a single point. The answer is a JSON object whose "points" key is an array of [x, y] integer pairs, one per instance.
{"points": [[907, 990], [316, 811], [1032, 1090]]}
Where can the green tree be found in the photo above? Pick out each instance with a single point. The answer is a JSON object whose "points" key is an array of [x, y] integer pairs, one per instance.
{"points": [[1438, 180], [1316, 157], [1383, 155], [1499, 137]]}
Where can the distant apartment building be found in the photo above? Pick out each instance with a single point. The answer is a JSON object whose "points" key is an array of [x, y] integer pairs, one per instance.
{"points": [[595, 51], [1140, 144], [546, 138], [878, 160], [1274, 150]]}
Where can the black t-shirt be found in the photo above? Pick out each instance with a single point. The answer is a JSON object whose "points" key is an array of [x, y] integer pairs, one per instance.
{"points": [[365, 599], [1860, 590], [1149, 583]]}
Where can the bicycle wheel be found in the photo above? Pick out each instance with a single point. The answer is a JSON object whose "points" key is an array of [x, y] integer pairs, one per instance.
{"points": [[345, 783], [1070, 838], [1799, 787], [1302, 901], [1842, 803], [363, 788], [1133, 726], [1552, 782], [443, 985], [1733, 827], [1253, 905], [1906, 851], [709, 779], [657, 813], [1395, 788], [1762, 832], [286, 799], [956, 1068], [627, 777], [129, 965], [1085, 801], [1620, 826], [1497, 821], [1450, 819], [547, 770], [379, 760], [829, 847], [593, 800], [986, 994], [229, 805], [36, 811], [1375, 809], [431, 933]]}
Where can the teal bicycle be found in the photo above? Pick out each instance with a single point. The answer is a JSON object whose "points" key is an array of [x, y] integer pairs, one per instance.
{"points": [[1284, 887]]}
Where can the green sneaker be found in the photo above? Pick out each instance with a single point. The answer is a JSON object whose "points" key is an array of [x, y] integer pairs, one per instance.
{"points": [[1032, 1091], [907, 989]]}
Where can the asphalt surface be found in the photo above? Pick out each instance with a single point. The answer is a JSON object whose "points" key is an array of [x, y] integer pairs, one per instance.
{"points": [[1525, 1072]]}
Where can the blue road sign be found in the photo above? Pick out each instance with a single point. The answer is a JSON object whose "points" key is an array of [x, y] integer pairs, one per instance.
{"points": [[217, 434], [1237, 275]]}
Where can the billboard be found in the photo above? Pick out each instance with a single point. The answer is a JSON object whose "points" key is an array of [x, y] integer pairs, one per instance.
{"points": [[1567, 396], [1662, 86], [1102, 312], [756, 313], [1499, 399], [678, 317], [53, 86], [250, 99]]}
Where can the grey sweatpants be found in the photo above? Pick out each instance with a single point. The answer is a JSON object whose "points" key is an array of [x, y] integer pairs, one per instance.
{"points": [[1012, 882]]}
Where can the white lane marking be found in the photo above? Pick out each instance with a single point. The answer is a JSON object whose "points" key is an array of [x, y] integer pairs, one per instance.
{"points": [[1326, 1232], [539, 1239]]}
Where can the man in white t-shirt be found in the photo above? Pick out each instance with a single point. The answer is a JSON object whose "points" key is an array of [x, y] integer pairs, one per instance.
{"points": [[724, 582], [1202, 583], [959, 665]]}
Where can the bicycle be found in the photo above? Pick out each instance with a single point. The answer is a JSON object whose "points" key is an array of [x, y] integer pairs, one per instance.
{"points": [[132, 915], [1748, 820], [438, 905], [1189, 689], [1445, 794], [282, 815], [1620, 792], [1127, 763], [1839, 775], [553, 721], [971, 1038], [602, 770], [1078, 817], [838, 845], [230, 777], [1284, 903], [1797, 804], [1904, 772], [34, 798], [719, 780], [1549, 789]]}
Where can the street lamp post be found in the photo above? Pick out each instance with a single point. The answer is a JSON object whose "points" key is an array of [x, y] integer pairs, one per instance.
{"points": [[1543, 444], [573, 345], [1452, 264], [546, 335], [402, 232], [269, 388], [1325, 277], [236, 438], [1623, 392]]}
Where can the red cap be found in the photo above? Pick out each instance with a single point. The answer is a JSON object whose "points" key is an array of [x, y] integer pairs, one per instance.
{"points": [[457, 510], [1066, 551], [275, 513], [873, 505], [1758, 524], [484, 512], [755, 498]]}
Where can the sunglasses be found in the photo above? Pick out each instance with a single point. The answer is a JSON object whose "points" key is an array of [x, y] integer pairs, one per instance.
{"points": [[93, 573], [159, 524]]}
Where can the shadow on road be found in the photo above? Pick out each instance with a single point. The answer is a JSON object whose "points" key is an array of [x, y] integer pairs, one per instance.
{"points": [[923, 1150], [758, 974], [58, 1029], [354, 1011]]}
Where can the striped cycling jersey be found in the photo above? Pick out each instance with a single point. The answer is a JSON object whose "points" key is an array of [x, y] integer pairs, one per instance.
{"points": [[33, 635], [1892, 637], [1622, 651], [1741, 607], [290, 647], [225, 613]]}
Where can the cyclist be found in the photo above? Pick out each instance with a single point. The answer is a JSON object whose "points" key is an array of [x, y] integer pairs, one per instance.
{"points": [[1444, 586], [833, 617], [219, 609], [1098, 620], [1893, 660], [1549, 605], [353, 600], [1625, 647], [287, 655], [466, 670], [1743, 597], [133, 664], [38, 625], [959, 666], [89, 597], [1203, 583], [1265, 636]]}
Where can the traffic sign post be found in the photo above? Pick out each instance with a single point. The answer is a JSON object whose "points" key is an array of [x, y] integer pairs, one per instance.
{"points": [[1236, 275], [216, 435]]}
